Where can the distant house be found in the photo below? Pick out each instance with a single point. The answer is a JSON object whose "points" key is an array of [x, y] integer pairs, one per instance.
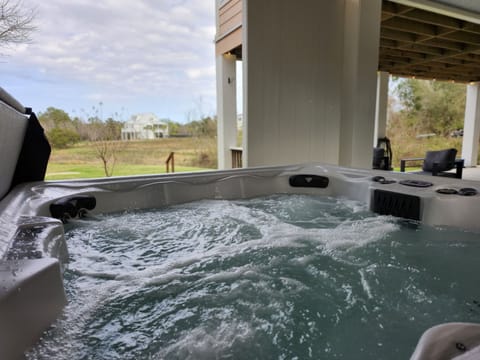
{"points": [[144, 127]]}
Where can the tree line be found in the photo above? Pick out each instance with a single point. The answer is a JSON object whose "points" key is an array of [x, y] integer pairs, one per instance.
{"points": [[63, 131], [424, 115], [427, 107]]}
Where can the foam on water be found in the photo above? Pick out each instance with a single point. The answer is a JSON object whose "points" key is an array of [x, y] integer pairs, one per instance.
{"points": [[279, 277]]}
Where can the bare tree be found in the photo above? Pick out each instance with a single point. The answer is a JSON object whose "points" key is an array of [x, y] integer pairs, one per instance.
{"points": [[16, 23], [107, 152], [104, 140]]}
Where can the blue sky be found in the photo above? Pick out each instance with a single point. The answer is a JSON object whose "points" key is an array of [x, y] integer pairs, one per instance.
{"points": [[132, 56]]}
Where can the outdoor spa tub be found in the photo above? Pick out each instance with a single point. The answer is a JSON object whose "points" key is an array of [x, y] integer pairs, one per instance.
{"points": [[35, 251], [301, 261]]}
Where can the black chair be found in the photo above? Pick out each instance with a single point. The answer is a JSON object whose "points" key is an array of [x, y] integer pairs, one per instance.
{"points": [[438, 163], [380, 161], [382, 155]]}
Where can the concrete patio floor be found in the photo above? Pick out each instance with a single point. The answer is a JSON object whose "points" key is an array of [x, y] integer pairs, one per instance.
{"points": [[471, 173]]}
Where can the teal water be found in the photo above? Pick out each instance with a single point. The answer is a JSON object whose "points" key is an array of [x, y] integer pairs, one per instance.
{"points": [[279, 277]]}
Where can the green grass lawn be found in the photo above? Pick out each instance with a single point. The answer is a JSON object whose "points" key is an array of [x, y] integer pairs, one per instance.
{"points": [[133, 158], [408, 169], [85, 171]]}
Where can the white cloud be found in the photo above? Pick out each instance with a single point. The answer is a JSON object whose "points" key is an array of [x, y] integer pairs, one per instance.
{"points": [[195, 73], [142, 46]]}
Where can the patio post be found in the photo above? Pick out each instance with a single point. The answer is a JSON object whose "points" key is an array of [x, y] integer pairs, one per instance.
{"points": [[310, 81], [471, 128], [226, 109], [360, 61], [381, 106]]}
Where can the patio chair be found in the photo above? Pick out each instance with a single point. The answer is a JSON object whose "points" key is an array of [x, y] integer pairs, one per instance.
{"points": [[438, 163]]}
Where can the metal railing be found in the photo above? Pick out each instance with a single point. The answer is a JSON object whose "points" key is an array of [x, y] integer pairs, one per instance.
{"points": [[170, 161]]}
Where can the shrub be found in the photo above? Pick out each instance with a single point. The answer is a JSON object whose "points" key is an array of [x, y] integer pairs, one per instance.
{"points": [[62, 138]]}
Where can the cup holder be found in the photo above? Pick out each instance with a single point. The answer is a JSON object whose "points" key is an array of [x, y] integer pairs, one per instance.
{"points": [[416, 183], [382, 180], [467, 192], [447, 191], [461, 192]]}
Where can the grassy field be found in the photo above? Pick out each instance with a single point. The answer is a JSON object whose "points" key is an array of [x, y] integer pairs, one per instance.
{"points": [[134, 158], [194, 154], [404, 146], [411, 148]]}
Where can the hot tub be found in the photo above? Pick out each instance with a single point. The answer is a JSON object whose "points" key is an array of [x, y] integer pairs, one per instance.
{"points": [[34, 251], [33, 246]]}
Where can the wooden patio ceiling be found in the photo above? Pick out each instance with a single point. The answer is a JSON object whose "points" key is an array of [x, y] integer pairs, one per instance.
{"points": [[426, 45]]}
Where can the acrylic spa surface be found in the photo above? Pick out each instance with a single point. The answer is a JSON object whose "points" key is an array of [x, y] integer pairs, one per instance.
{"points": [[33, 246], [276, 277]]}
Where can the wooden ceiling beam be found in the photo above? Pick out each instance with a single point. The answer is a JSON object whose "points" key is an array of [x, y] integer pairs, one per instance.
{"points": [[402, 53], [384, 16], [399, 35], [410, 26], [415, 42], [469, 57], [388, 43], [394, 9], [452, 61], [417, 48], [435, 67], [402, 60], [430, 18], [410, 38], [429, 58], [446, 54], [439, 76], [445, 44], [462, 36], [461, 68], [470, 27], [409, 58], [434, 19], [397, 61], [452, 69]]}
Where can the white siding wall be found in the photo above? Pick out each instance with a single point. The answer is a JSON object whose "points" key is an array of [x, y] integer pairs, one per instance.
{"points": [[310, 80]]}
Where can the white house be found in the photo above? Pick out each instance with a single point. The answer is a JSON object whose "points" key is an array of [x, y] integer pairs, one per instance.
{"points": [[144, 127]]}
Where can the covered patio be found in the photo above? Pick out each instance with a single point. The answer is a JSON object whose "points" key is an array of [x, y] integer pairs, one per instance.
{"points": [[315, 76]]}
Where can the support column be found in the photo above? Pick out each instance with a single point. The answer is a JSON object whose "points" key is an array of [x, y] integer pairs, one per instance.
{"points": [[471, 128], [310, 84], [226, 109], [381, 106], [360, 61]]}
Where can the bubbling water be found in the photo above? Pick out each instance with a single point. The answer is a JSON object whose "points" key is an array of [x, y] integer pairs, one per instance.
{"points": [[278, 277]]}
